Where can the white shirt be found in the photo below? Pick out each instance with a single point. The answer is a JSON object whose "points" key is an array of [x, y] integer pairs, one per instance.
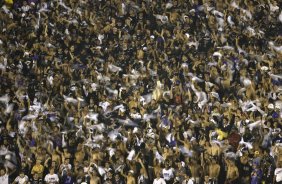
{"points": [[65, 167], [273, 8], [104, 105], [240, 127], [25, 8], [21, 180], [159, 181], [4, 179], [135, 115], [188, 182], [278, 174], [51, 178], [168, 174]]}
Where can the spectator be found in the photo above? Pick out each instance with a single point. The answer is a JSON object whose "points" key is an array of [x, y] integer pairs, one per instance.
{"points": [[21, 179], [51, 178], [4, 177], [158, 179], [35, 180]]}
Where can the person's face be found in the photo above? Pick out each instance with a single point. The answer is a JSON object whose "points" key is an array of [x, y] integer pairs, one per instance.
{"points": [[179, 165], [2, 172], [23, 164], [255, 166], [131, 13], [67, 161], [127, 22], [109, 174], [56, 129], [140, 16], [117, 177], [166, 165], [72, 48], [39, 150], [115, 30], [86, 163], [35, 176], [43, 151]]}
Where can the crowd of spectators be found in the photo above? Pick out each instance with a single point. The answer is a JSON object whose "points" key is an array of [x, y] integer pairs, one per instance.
{"points": [[140, 91]]}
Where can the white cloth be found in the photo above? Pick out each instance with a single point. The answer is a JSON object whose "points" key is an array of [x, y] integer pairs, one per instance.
{"points": [[201, 97], [135, 115], [4, 179], [280, 17], [104, 105], [278, 174], [168, 174], [64, 168], [159, 181], [21, 180], [189, 181], [131, 155], [25, 8], [51, 178]]}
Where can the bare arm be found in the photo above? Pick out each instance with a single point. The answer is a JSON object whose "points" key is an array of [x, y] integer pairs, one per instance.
{"points": [[143, 167]]}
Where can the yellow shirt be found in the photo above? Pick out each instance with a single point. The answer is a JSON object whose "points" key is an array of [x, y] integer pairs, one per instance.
{"points": [[221, 135], [9, 2], [37, 169]]}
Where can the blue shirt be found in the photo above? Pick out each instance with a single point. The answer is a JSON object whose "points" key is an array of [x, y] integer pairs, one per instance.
{"points": [[256, 178]]}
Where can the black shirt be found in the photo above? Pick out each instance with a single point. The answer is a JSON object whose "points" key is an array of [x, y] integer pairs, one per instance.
{"points": [[36, 181]]}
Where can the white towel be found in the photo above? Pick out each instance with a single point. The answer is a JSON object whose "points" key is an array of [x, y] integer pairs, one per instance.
{"points": [[131, 155]]}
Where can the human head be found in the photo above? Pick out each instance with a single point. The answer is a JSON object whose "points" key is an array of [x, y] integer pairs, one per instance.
{"points": [[21, 174], [2, 171]]}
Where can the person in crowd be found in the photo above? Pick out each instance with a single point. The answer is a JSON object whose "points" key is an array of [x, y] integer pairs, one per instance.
{"points": [[51, 177], [4, 177], [21, 179]]}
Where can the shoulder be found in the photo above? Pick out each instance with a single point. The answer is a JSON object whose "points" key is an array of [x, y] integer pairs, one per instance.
{"points": [[17, 178], [190, 182], [278, 171]]}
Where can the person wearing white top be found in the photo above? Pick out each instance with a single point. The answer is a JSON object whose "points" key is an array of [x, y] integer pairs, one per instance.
{"points": [[65, 166], [51, 178], [21, 179], [278, 173], [188, 181], [159, 180], [4, 177], [168, 172]]}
